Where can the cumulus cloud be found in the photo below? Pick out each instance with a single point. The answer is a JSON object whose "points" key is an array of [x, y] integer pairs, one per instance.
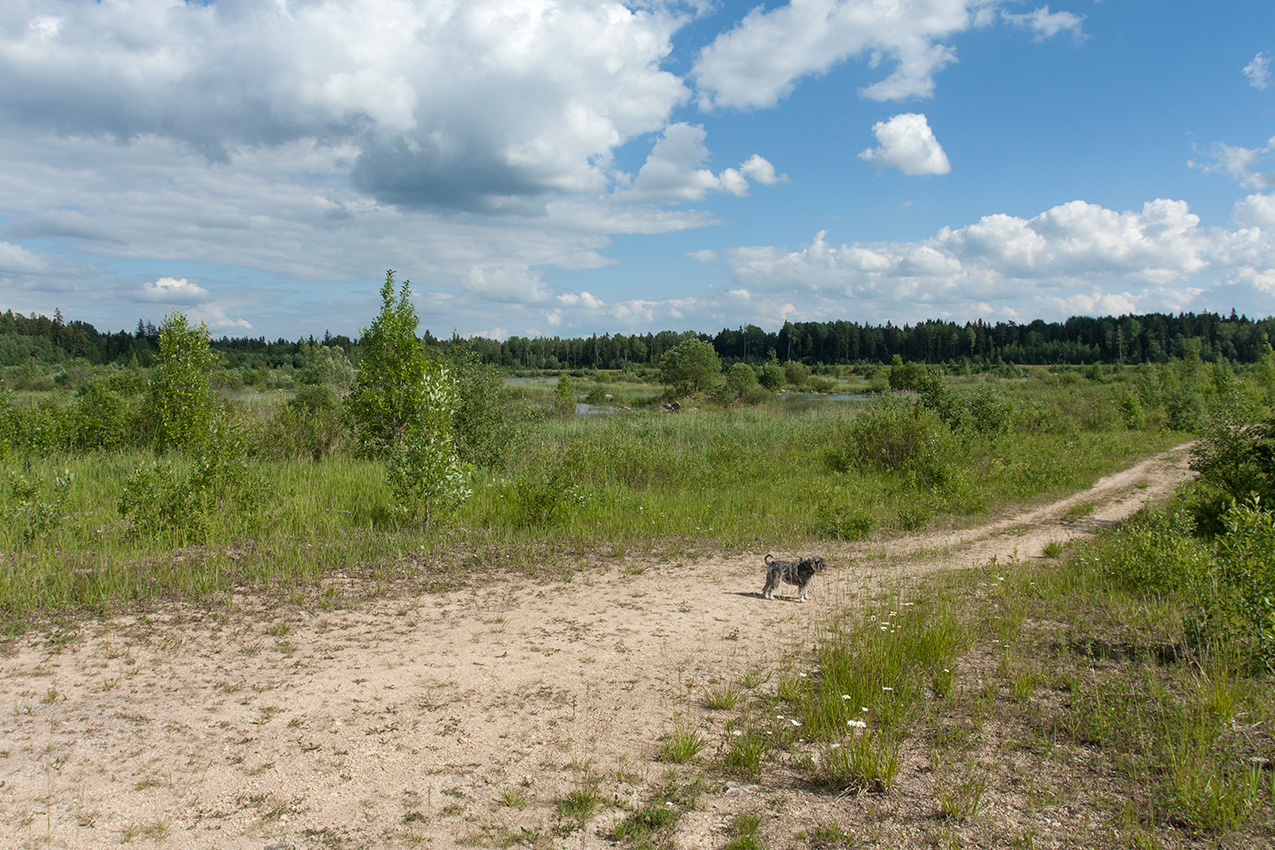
{"points": [[477, 105], [672, 173], [704, 256], [1074, 247], [908, 144], [170, 290], [759, 62], [214, 316], [583, 299], [1259, 71]]}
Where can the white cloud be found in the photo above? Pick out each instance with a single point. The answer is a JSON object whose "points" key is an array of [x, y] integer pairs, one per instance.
{"points": [[1259, 71], [704, 256], [510, 284], [760, 169], [908, 144], [169, 290], [1240, 164], [584, 299], [1046, 24], [214, 316], [672, 173], [1002, 260], [759, 61], [16, 259], [478, 105]]}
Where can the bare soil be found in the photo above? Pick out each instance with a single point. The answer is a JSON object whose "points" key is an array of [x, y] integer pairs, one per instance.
{"points": [[462, 718]]}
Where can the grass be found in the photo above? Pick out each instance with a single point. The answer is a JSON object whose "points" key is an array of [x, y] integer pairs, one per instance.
{"points": [[632, 482], [681, 746], [1055, 698]]}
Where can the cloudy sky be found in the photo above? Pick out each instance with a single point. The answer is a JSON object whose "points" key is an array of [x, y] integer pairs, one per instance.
{"points": [[566, 167]]}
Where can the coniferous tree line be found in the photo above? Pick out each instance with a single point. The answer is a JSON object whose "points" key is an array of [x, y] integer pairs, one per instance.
{"points": [[1080, 340]]}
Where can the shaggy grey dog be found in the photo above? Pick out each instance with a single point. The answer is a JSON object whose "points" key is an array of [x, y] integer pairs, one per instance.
{"points": [[799, 573]]}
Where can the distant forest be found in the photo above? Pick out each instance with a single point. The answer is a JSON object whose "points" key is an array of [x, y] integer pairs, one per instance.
{"points": [[1150, 338]]}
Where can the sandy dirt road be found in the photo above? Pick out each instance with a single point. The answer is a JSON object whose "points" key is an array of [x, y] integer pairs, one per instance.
{"points": [[437, 720]]}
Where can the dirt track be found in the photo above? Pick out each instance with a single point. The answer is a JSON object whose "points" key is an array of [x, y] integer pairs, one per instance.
{"points": [[415, 721]]}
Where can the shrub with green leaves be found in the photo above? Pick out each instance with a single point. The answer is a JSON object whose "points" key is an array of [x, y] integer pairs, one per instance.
{"points": [[1237, 600], [189, 500], [32, 511], [402, 408], [896, 434], [1236, 460], [182, 399], [425, 472], [690, 367]]}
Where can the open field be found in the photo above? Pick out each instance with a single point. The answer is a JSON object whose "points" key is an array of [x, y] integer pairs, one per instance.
{"points": [[535, 712]]}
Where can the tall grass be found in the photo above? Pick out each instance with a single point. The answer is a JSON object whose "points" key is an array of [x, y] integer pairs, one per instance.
{"points": [[636, 481]]}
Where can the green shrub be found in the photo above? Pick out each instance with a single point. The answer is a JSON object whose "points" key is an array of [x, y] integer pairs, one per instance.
{"points": [[181, 395], [892, 433], [690, 367], [1237, 598], [31, 511], [771, 376], [796, 373], [189, 501]]}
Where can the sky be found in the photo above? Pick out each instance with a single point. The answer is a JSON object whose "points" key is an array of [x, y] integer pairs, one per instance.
{"points": [[571, 167]]}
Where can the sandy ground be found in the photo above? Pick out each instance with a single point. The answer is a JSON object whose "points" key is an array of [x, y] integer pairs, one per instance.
{"points": [[417, 720]]}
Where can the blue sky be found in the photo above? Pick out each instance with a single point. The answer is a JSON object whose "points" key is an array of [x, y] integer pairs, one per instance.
{"points": [[568, 167]]}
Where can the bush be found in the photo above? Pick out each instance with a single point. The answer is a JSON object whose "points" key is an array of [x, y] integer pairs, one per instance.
{"points": [[101, 418], [691, 367], [796, 373], [771, 376], [1236, 460], [895, 434], [1237, 599], [403, 407], [181, 396], [218, 487]]}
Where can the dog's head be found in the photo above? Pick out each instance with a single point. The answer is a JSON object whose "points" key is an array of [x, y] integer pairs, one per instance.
{"points": [[816, 563]]}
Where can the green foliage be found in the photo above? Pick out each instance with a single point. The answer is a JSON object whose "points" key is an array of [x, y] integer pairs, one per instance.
{"points": [[740, 377], [1236, 460], [542, 494], [1183, 407], [33, 511], [102, 418], [486, 421], [564, 398], [1155, 552], [1131, 412], [402, 408], [1237, 600], [893, 433], [312, 425], [182, 399], [425, 471], [323, 365], [771, 376], [796, 373], [216, 488], [691, 367], [390, 393]]}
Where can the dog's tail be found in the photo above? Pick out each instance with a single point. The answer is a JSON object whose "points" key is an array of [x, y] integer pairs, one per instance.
{"points": [[768, 559]]}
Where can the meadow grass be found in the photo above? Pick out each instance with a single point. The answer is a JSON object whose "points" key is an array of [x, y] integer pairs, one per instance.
{"points": [[1024, 683], [703, 479]]}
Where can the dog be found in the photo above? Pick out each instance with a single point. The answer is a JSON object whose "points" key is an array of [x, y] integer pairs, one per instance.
{"points": [[799, 573]]}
